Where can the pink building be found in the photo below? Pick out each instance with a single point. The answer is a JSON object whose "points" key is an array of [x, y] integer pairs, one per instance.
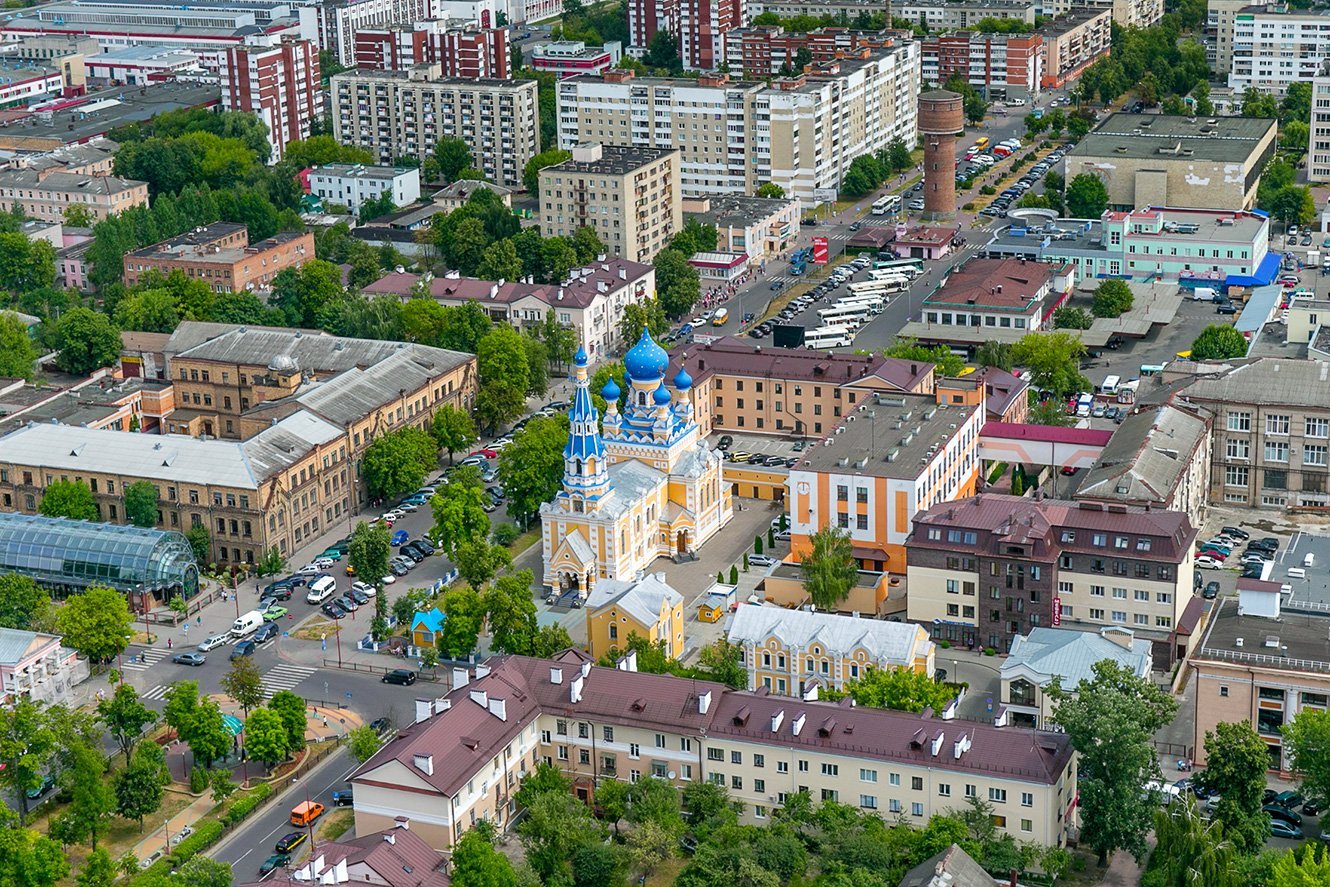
{"points": [[37, 666]]}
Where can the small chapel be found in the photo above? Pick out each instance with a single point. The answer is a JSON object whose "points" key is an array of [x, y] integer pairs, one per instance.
{"points": [[640, 485]]}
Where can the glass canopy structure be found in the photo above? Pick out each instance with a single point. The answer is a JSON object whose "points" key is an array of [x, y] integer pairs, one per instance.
{"points": [[67, 556]]}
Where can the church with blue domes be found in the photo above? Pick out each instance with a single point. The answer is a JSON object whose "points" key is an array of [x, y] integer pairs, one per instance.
{"points": [[639, 484]]}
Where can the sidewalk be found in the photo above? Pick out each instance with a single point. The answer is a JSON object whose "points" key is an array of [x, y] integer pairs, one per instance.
{"points": [[175, 828]]}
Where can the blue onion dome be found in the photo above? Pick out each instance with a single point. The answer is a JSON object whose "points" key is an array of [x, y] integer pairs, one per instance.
{"points": [[662, 396], [683, 381], [610, 392], [646, 360], [580, 357]]}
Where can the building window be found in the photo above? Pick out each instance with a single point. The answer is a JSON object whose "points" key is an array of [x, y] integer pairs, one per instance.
{"points": [[868, 802], [1027, 799], [1276, 424], [1239, 421], [997, 795], [866, 775], [943, 790]]}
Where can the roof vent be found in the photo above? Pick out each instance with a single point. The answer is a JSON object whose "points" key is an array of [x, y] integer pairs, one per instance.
{"points": [[797, 725], [741, 716], [828, 727], [777, 719], [704, 703]]}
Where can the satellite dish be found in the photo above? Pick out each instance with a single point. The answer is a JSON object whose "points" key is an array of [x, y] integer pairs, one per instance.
{"points": [[671, 774]]}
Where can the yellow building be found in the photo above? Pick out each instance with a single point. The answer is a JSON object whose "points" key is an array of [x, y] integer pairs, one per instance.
{"points": [[648, 607], [647, 486]]}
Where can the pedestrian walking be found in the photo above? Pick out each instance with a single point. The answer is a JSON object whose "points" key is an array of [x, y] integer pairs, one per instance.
{"points": [[168, 643]]}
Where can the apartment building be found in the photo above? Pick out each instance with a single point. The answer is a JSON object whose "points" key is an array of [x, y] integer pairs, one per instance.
{"points": [[351, 184], [567, 58], [277, 80], [1274, 46], [631, 197], [1270, 432], [1127, 13], [991, 567], [45, 194], [946, 15], [997, 299], [221, 256], [595, 724], [646, 17], [759, 227], [703, 25], [762, 51], [1219, 32], [1003, 66], [792, 652], [800, 133], [1158, 457], [1072, 42], [231, 380], [590, 302], [460, 49], [743, 388], [1318, 139], [395, 113], [1048, 654], [335, 23]]}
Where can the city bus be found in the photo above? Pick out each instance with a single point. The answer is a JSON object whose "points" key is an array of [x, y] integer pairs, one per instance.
{"points": [[852, 316], [887, 206], [878, 287], [874, 304], [828, 337], [911, 268]]}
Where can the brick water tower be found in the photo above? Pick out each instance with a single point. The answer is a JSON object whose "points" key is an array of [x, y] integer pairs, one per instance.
{"points": [[941, 117]]}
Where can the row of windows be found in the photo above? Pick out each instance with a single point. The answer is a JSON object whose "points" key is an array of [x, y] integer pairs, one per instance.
{"points": [[1280, 424]]}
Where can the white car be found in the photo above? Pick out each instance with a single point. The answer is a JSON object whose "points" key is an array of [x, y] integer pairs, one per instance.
{"points": [[408, 507], [394, 515], [322, 563], [1208, 563], [761, 560], [783, 535], [364, 588], [501, 443], [389, 579], [309, 569], [214, 642]]}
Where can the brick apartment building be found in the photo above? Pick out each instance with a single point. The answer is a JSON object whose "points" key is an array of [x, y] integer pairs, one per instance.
{"points": [[700, 25], [762, 51], [1003, 66], [460, 50], [222, 256], [279, 81]]}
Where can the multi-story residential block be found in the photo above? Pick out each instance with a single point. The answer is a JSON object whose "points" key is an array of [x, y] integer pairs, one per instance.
{"points": [[277, 80], [997, 299], [590, 302], [45, 194], [226, 377], [394, 857], [874, 480], [646, 17], [703, 25], [208, 28], [948, 15], [221, 256], [1318, 139], [791, 652], [991, 567], [1158, 160], [631, 197], [801, 133], [1127, 13], [335, 23], [351, 184], [1003, 66], [1206, 247], [1045, 654], [758, 227], [567, 58], [763, 51], [1274, 46], [1271, 432], [1072, 42], [747, 389], [460, 49], [595, 724], [1219, 32], [1158, 457], [648, 607], [394, 113]]}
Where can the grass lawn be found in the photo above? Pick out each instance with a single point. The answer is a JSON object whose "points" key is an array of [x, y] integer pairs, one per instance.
{"points": [[121, 834], [336, 824], [315, 630], [666, 872]]}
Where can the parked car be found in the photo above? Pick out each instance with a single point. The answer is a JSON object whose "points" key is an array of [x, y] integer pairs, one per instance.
{"points": [[401, 676], [277, 860], [1282, 813], [725, 442], [1289, 800], [274, 613], [333, 611], [1314, 806], [189, 658], [279, 592], [290, 842], [399, 538], [1236, 533], [381, 726], [243, 649], [346, 603], [1209, 563], [359, 597], [1281, 829], [47, 783], [761, 560], [1211, 591], [364, 588], [342, 797]]}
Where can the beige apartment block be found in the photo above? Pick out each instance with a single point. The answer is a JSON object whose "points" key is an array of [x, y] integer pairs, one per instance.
{"points": [[631, 197], [595, 724], [46, 194], [396, 113], [1127, 13]]}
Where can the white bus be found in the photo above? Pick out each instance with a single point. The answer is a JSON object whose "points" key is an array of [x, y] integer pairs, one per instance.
{"points": [[828, 337], [878, 287], [852, 316], [874, 304], [888, 274], [911, 268], [1110, 385], [887, 206]]}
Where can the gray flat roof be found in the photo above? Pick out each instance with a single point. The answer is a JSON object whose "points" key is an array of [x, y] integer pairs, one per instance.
{"points": [[924, 423], [738, 210], [1301, 638], [614, 160], [1141, 136], [78, 124]]}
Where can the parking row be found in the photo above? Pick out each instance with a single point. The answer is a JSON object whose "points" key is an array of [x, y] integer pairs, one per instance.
{"points": [[1013, 193]]}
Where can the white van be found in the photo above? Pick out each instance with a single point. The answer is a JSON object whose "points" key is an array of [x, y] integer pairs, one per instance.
{"points": [[321, 589], [1308, 560], [1015, 103], [247, 624], [1110, 385], [1297, 573], [1084, 405]]}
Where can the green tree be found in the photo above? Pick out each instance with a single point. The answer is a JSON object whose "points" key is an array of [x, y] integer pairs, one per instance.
{"points": [[901, 689], [678, 285], [200, 542], [182, 706], [1111, 719], [466, 613], [1236, 759], [1190, 851], [531, 467], [27, 747], [266, 737], [76, 215], [141, 504], [723, 662], [1307, 866], [663, 52], [501, 367], [17, 351], [1112, 298], [478, 561], [459, 516], [200, 871], [368, 553], [96, 623], [150, 311], [512, 613], [1307, 740], [28, 859], [397, 462], [771, 191], [1087, 198], [24, 604], [453, 156], [243, 684], [560, 341], [91, 798], [550, 640], [994, 354], [500, 262], [363, 742], [637, 316], [1053, 360], [139, 787], [1219, 341], [555, 828], [947, 363], [86, 341], [98, 869], [477, 864], [306, 292], [452, 430], [125, 717], [208, 738], [291, 709], [829, 569], [71, 499], [1069, 317], [531, 172]]}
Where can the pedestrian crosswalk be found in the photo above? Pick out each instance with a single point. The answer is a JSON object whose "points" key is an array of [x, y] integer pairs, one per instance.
{"points": [[285, 677], [157, 692], [142, 660]]}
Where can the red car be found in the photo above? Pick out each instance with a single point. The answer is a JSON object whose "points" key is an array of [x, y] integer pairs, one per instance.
{"points": [[487, 453]]}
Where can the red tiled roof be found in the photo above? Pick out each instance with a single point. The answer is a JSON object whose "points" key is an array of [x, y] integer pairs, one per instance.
{"points": [[406, 860], [994, 283], [1089, 437], [733, 356], [927, 236]]}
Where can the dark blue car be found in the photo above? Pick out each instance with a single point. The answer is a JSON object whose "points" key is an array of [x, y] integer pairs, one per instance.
{"points": [[399, 538]]}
